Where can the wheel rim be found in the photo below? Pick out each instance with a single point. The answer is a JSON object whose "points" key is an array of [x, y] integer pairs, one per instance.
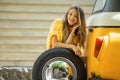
{"points": [[59, 68]]}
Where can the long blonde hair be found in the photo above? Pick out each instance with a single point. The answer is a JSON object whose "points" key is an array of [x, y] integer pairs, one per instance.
{"points": [[82, 30]]}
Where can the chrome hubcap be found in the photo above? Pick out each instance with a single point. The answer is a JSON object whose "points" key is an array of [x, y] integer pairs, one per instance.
{"points": [[59, 68]]}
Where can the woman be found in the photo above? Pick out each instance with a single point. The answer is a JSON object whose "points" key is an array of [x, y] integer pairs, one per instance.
{"points": [[70, 32]]}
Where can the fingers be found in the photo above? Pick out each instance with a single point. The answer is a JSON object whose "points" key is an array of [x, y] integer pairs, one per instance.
{"points": [[76, 50], [74, 29], [78, 24], [78, 53]]}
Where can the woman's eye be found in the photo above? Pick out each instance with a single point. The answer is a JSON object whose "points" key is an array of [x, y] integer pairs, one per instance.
{"points": [[70, 14], [76, 16]]}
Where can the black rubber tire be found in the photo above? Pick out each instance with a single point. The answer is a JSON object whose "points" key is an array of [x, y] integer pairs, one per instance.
{"points": [[58, 52]]}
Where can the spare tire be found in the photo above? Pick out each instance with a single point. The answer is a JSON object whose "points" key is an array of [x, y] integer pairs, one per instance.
{"points": [[58, 64]]}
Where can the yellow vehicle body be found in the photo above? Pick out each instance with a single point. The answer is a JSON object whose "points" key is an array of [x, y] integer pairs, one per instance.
{"points": [[103, 44], [107, 63]]}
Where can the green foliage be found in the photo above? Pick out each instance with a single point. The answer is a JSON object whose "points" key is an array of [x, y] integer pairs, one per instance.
{"points": [[59, 65]]}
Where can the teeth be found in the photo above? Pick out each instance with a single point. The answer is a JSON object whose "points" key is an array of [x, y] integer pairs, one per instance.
{"points": [[71, 20]]}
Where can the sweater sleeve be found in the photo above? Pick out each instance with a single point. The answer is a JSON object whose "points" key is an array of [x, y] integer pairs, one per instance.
{"points": [[55, 29]]}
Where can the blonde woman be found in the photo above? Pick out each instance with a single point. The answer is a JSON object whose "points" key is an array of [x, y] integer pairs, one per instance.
{"points": [[70, 32]]}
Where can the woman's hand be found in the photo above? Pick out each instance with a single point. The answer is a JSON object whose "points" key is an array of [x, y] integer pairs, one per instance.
{"points": [[76, 50], [74, 28]]}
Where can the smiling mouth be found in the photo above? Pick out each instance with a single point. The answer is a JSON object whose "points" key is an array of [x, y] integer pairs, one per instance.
{"points": [[71, 20]]}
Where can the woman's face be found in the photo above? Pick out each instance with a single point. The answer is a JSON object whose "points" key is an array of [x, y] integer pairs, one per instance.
{"points": [[72, 17]]}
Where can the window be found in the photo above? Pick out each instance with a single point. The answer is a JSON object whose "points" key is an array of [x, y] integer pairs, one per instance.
{"points": [[99, 5]]}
